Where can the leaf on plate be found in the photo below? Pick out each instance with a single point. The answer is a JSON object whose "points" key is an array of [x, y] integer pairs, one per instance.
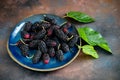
{"points": [[80, 17], [93, 38], [89, 50]]}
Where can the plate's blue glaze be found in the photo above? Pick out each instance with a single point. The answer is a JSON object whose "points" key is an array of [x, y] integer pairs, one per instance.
{"points": [[16, 54]]}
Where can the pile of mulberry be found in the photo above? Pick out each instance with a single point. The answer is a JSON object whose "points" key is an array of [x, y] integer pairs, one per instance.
{"points": [[48, 39]]}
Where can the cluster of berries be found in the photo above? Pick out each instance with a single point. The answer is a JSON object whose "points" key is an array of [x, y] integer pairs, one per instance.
{"points": [[48, 38]]}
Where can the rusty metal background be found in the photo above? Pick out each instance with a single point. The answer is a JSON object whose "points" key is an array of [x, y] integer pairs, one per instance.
{"points": [[107, 15]]}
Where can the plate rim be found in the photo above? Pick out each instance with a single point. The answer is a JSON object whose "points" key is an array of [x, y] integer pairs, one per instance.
{"points": [[35, 69]]}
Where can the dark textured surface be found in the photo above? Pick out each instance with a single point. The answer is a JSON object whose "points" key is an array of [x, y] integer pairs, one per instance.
{"points": [[107, 15]]}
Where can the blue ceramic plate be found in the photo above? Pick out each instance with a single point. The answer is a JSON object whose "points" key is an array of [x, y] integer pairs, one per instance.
{"points": [[54, 64]]}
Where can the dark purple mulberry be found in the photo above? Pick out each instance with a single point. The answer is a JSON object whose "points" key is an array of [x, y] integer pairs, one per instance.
{"points": [[42, 46], [59, 55], [50, 31], [37, 56], [51, 52], [33, 44], [65, 47], [24, 49], [36, 27], [73, 41], [50, 43], [46, 58], [51, 20], [45, 25], [25, 35], [40, 34], [27, 26], [60, 34]]}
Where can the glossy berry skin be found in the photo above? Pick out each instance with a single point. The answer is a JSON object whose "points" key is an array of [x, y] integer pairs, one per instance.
{"points": [[32, 34], [40, 34], [73, 41], [65, 47], [45, 25], [42, 46], [51, 52], [27, 26], [56, 40], [52, 21], [60, 34], [65, 30], [50, 43], [50, 31], [46, 58], [65, 27], [24, 49], [33, 44], [36, 57], [36, 27], [25, 34], [59, 55], [57, 43]]}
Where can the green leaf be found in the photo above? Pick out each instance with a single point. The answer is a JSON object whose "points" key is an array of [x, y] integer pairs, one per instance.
{"points": [[89, 50], [80, 17], [93, 38]]}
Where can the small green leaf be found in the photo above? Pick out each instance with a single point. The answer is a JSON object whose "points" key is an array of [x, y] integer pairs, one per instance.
{"points": [[80, 17], [93, 38], [89, 50]]}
